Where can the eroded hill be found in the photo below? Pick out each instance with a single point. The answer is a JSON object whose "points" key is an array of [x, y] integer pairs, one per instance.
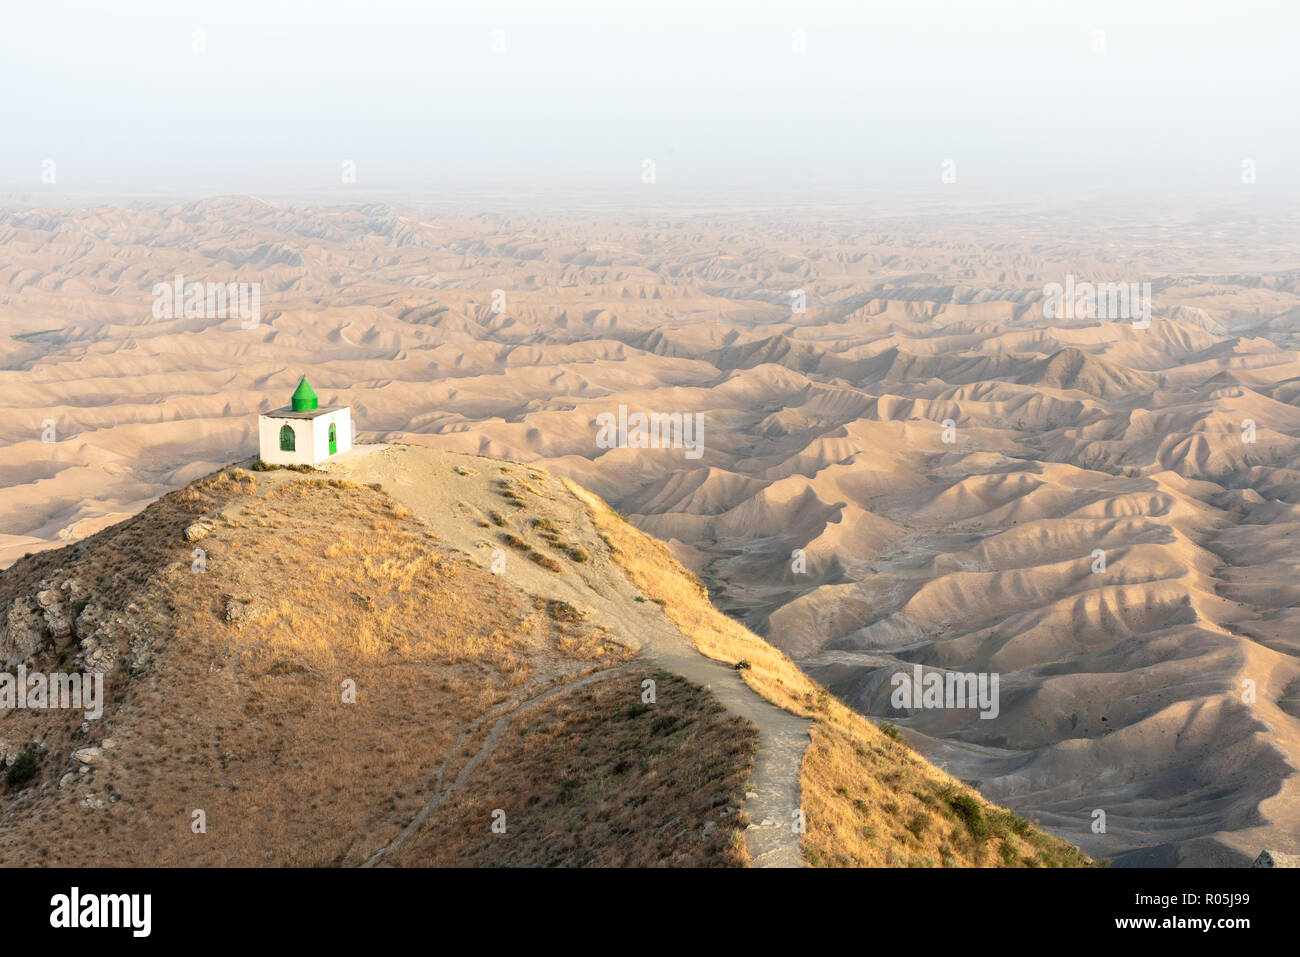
{"points": [[235, 619], [1170, 447], [227, 687]]}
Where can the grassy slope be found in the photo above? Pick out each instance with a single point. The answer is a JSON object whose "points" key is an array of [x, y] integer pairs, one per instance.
{"points": [[225, 694], [599, 779], [868, 799]]}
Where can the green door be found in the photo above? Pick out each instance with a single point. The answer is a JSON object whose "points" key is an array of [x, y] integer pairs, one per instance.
{"points": [[334, 440]]}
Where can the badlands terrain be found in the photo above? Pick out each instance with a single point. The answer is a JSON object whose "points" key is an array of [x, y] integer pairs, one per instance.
{"points": [[904, 460], [457, 661]]}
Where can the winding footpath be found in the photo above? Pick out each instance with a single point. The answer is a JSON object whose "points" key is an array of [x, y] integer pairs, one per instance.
{"points": [[426, 481]]}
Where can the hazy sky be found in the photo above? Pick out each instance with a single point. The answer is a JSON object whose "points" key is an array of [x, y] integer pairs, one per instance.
{"points": [[274, 95]]}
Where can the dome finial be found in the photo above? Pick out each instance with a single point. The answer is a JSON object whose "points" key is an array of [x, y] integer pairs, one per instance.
{"points": [[304, 398]]}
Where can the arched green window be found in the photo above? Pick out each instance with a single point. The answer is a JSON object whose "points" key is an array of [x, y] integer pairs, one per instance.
{"points": [[286, 439], [334, 440]]}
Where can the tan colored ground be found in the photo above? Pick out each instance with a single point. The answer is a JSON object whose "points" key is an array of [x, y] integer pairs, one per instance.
{"points": [[541, 537], [1122, 689], [519, 692], [868, 800], [638, 785], [226, 696]]}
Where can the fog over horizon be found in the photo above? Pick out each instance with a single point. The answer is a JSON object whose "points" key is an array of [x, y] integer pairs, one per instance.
{"points": [[741, 99], [908, 390]]}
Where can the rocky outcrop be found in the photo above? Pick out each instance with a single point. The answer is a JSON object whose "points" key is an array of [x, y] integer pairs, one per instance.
{"points": [[1269, 858], [57, 623], [50, 616], [80, 632], [23, 632], [145, 630], [91, 756]]}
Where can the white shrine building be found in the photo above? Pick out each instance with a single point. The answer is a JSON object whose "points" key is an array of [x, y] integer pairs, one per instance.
{"points": [[303, 433]]}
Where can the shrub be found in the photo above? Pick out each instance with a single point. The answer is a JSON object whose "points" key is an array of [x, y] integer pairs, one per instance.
{"points": [[549, 564], [23, 769], [260, 466], [971, 814], [563, 611], [514, 541], [919, 822]]}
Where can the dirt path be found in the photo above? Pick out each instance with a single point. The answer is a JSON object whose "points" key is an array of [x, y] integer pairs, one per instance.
{"points": [[452, 492], [503, 715]]}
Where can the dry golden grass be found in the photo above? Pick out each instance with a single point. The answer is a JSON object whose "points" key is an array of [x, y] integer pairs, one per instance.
{"points": [[313, 586], [868, 799], [309, 583], [639, 785]]}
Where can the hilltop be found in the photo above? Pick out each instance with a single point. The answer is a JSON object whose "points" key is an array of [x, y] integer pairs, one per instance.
{"points": [[947, 457], [233, 618]]}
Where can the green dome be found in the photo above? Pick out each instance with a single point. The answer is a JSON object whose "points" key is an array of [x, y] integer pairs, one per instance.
{"points": [[304, 399]]}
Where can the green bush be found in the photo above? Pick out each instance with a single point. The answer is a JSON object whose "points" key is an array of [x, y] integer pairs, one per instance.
{"points": [[260, 466], [971, 814], [919, 822], [23, 769]]}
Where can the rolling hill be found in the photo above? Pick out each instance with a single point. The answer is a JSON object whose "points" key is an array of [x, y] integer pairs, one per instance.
{"points": [[379, 663]]}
